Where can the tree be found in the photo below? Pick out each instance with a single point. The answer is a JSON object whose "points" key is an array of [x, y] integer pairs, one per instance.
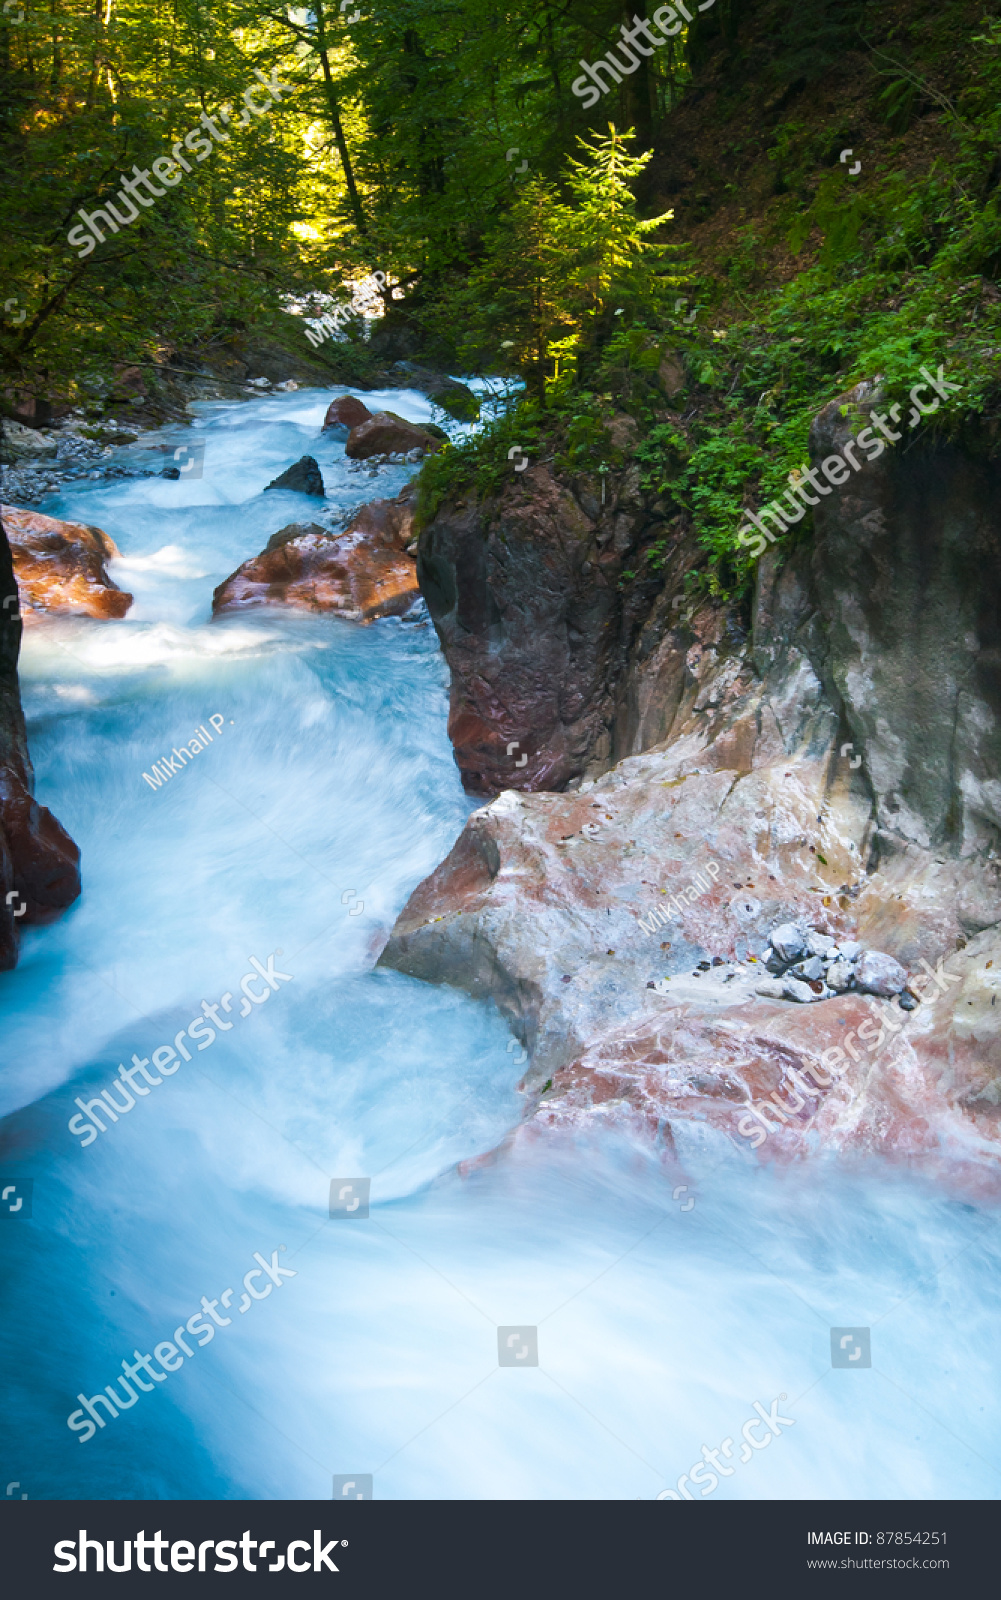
{"points": [[550, 270]]}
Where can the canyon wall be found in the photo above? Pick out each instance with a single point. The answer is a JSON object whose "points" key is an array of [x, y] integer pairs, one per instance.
{"points": [[837, 763], [39, 863]]}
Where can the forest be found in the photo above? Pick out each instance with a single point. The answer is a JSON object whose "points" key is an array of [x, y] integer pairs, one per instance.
{"points": [[701, 207]]}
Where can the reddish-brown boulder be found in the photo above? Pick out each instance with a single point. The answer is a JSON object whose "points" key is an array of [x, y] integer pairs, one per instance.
{"points": [[362, 573], [346, 412], [39, 863], [387, 434], [60, 568]]}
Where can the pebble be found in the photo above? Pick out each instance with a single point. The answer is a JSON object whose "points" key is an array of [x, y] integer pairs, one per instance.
{"points": [[26, 483], [787, 942], [839, 975], [813, 968], [795, 989], [771, 988], [878, 973], [828, 967]]}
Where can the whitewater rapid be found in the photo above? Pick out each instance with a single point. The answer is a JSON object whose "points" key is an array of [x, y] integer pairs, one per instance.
{"points": [[330, 786]]}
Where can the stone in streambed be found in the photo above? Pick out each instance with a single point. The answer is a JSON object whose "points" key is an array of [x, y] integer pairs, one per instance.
{"points": [[387, 434], [771, 989], [39, 863], [796, 989], [820, 944], [839, 976], [876, 973], [361, 573], [60, 567], [22, 444], [303, 477], [345, 413], [787, 942], [813, 968]]}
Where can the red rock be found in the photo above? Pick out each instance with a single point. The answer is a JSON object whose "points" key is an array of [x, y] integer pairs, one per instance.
{"points": [[60, 568], [346, 412], [39, 863], [525, 598], [362, 573], [386, 434]]}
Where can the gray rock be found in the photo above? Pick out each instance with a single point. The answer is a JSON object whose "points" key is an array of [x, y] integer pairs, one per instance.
{"points": [[453, 396], [877, 973], [907, 1002], [812, 968], [787, 942], [23, 443], [839, 975], [850, 949], [304, 477], [771, 989], [795, 989], [819, 944], [899, 651]]}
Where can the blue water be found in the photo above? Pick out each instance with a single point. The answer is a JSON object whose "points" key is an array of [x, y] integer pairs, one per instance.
{"points": [[329, 784]]}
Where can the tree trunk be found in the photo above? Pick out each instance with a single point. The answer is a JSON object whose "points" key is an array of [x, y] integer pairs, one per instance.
{"points": [[335, 118]]}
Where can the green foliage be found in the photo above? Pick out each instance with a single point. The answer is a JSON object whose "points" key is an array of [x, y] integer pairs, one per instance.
{"points": [[896, 284], [838, 213], [478, 464], [554, 275], [89, 92]]}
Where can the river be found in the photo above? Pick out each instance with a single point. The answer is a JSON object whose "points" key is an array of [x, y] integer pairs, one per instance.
{"points": [[371, 1355]]}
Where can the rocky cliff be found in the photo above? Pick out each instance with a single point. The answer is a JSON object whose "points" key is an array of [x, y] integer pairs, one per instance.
{"points": [[39, 863], [837, 768]]}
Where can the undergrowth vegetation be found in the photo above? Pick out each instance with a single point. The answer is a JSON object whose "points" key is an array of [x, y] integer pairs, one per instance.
{"points": [[885, 279]]}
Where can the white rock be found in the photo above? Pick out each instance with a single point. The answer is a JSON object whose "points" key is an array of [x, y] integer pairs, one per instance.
{"points": [[794, 989], [787, 942], [811, 968], [771, 988], [839, 975], [28, 443], [878, 973]]}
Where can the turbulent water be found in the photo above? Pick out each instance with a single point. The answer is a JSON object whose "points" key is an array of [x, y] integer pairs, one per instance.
{"points": [[329, 786]]}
